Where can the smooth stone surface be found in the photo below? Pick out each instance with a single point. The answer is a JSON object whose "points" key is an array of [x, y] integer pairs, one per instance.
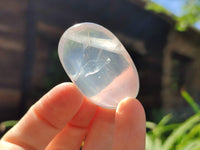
{"points": [[99, 65]]}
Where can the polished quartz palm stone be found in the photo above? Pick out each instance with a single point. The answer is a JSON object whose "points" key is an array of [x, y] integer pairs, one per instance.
{"points": [[98, 64]]}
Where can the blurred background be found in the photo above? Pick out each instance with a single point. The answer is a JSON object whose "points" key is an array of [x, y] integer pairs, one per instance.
{"points": [[162, 39]]}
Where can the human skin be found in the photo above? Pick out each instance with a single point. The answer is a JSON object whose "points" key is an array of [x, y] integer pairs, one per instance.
{"points": [[63, 118]]}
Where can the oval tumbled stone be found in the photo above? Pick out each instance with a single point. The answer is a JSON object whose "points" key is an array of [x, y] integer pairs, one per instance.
{"points": [[98, 64]]}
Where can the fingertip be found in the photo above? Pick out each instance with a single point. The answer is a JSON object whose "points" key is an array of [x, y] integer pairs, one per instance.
{"points": [[66, 89], [46, 118], [130, 104], [130, 126], [9, 146], [62, 94], [131, 109], [64, 98]]}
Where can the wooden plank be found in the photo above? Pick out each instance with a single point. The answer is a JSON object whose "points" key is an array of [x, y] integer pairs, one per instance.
{"points": [[12, 31], [10, 68], [12, 15], [40, 62], [29, 54], [49, 29], [8, 56], [12, 19], [13, 6], [12, 44], [9, 96], [61, 15], [9, 103]]}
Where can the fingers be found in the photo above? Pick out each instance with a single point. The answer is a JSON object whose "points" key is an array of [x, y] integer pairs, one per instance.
{"points": [[71, 137], [46, 118], [100, 135], [9, 146], [60, 119], [129, 126]]}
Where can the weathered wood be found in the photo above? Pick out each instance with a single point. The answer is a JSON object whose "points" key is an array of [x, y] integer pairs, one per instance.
{"points": [[10, 68], [12, 44], [13, 6], [179, 44], [40, 63], [49, 30], [28, 55], [9, 96]]}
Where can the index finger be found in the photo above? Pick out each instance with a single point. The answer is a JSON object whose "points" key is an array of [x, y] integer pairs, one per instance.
{"points": [[130, 126], [46, 118]]}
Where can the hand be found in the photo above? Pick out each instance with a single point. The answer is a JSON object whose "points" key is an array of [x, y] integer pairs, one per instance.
{"points": [[63, 118]]}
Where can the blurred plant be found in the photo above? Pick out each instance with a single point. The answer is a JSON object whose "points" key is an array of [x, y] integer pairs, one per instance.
{"points": [[6, 125], [175, 136], [190, 17]]}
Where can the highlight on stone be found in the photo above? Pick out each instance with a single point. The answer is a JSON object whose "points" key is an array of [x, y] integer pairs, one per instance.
{"points": [[98, 64]]}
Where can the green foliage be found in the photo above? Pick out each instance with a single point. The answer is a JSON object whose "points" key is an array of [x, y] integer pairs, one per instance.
{"points": [[6, 125], [190, 101], [156, 8], [190, 16], [181, 136]]}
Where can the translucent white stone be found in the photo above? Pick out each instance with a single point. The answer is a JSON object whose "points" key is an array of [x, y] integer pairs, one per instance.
{"points": [[99, 65]]}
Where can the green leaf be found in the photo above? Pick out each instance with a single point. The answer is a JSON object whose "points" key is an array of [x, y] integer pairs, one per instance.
{"points": [[165, 120], [190, 101], [190, 13], [160, 130], [156, 8], [193, 145], [180, 131], [8, 124], [193, 134], [149, 142], [151, 125]]}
